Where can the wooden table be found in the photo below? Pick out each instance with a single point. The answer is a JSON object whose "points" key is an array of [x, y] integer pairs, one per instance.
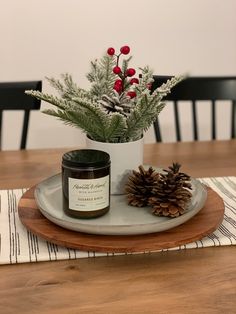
{"points": [[191, 281]]}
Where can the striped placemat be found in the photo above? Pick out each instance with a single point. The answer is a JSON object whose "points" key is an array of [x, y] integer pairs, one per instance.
{"points": [[18, 245]]}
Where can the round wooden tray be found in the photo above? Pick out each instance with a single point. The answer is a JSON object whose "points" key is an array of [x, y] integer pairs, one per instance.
{"points": [[204, 223]]}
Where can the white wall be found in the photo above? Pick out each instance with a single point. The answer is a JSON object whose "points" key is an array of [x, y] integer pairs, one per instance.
{"points": [[49, 37]]}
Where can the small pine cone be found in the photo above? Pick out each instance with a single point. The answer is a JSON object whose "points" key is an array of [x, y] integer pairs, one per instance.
{"points": [[139, 186], [171, 195], [167, 210]]}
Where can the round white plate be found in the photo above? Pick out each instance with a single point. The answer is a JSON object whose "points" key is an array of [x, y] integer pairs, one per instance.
{"points": [[122, 219]]}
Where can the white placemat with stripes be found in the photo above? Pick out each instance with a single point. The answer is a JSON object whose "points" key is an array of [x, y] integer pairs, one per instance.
{"points": [[18, 245]]}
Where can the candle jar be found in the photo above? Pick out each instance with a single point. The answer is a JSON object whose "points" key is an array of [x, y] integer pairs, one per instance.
{"points": [[86, 183]]}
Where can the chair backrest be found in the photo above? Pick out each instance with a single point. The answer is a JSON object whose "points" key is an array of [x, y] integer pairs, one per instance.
{"points": [[194, 89], [13, 97]]}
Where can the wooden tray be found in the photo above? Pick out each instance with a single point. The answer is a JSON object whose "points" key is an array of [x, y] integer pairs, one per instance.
{"points": [[204, 223]]}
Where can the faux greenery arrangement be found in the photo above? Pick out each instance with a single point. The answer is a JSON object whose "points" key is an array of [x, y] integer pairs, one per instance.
{"points": [[117, 108]]}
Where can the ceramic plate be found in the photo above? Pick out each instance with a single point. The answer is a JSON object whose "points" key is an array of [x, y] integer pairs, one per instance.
{"points": [[122, 219]]}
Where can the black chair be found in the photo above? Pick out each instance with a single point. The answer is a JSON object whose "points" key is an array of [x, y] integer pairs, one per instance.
{"points": [[195, 89], [13, 97]]}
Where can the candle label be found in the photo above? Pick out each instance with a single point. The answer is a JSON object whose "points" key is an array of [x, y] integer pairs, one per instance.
{"points": [[89, 194]]}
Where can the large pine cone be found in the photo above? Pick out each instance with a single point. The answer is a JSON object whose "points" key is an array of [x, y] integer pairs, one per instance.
{"points": [[140, 185], [171, 196]]}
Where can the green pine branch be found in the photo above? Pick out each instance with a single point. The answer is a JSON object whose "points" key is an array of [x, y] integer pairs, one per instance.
{"points": [[140, 119], [101, 76], [95, 112], [79, 120], [125, 64], [67, 88], [115, 128], [58, 102], [165, 88]]}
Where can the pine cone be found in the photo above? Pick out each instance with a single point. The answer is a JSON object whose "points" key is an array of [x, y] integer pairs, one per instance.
{"points": [[171, 195], [117, 103], [139, 186]]}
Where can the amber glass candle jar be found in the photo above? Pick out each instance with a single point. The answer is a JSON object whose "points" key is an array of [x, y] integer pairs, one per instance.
{"points": [[86, 183]]}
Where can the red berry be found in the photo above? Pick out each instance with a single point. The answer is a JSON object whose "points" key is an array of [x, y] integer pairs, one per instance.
{"points": [[116, 70], [110, 51], [118, 88], [131, 94], [130, 72], [125, 50], [134, 80], [118, 83]]}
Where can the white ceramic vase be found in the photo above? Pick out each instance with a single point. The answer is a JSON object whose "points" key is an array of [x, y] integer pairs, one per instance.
{"points": [[125, 157]]}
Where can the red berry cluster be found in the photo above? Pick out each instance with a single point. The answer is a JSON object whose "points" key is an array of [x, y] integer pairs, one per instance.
{"points": [[122, 81]]}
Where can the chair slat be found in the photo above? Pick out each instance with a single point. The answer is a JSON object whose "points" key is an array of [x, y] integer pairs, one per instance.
{"points": [[195, 124], [157, 130], [213, 120], [25, 129], [0, 129], [233, 119], [177, 124]]}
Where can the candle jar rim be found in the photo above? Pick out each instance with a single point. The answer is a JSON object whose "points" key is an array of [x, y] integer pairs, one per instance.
{"points": [[86, 158]]}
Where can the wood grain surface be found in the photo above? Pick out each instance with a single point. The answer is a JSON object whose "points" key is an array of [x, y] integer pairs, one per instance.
{"points": [[202, 224], [200, 159], [197, 281]]}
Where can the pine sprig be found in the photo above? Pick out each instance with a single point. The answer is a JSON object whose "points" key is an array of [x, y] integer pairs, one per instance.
{"points": [[116, 128], [145, 79], [67, 88], [165, 88], [125, 64], [58, 102], [95, 113], [101, 76], [141, 117], [81, 120]]}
